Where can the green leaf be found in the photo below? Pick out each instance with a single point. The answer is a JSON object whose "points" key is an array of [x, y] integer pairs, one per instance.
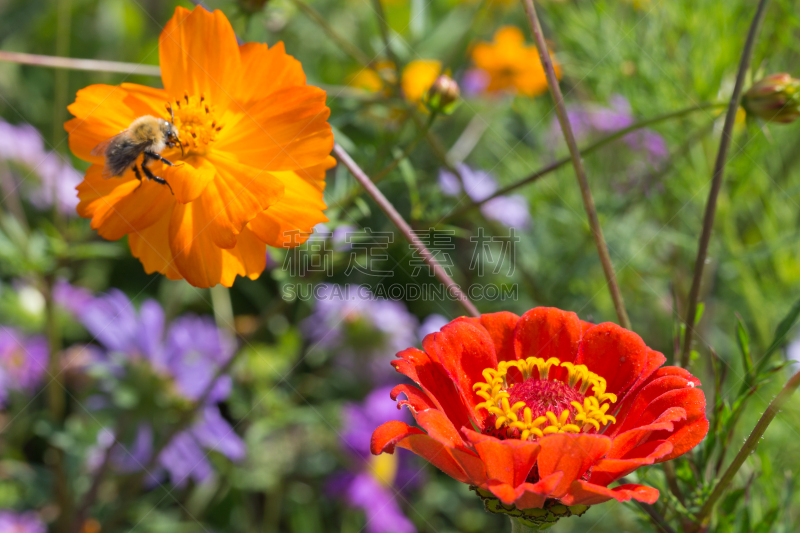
{"points": [[699, 313], [780, 334], [743, 339]]}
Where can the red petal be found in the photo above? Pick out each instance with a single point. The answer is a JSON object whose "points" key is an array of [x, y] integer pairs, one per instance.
{"points": [[547, 332], [507, 461], [416, 400], [464, 352], [439, 427], [457, 464], [609, 470], [571, 454], [628, 440], [585, 493], [431, 376], [686, 434], [615, 353], [654, 361], [534, 494], [646, 396], [388, 434], [500, 327]]}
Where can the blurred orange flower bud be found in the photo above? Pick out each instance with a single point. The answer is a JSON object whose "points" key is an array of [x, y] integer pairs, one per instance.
{"points": [[775, 98], [444, 95]]}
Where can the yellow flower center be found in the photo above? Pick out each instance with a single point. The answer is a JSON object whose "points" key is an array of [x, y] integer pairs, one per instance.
{"points": [[196, 121], [526, 403]]}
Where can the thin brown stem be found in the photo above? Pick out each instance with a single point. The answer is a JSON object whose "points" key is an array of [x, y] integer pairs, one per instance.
{"points": [[716, 182], [404, 228], [577, 163], [80, 64], [586, 151], [748, 448]]}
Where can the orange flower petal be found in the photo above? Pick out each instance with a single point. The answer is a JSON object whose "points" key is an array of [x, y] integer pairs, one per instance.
{"points": [[291, 220], [287, 131], [100, 113], [151, 246], [268, 70], [188, 178], [248, 258], [118, 206], [143, 100], [196, 256], [198, 54], [547, 332]]}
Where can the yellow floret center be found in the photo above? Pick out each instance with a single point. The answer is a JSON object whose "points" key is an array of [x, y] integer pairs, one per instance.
{"points": [[538, 405], [196, 121]]}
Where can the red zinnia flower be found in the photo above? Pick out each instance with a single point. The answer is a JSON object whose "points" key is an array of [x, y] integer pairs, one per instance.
{"points": [[544, 409]]}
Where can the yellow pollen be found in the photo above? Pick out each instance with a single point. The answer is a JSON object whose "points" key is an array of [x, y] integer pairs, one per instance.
{"points": [[591, 415], [196, 122]]}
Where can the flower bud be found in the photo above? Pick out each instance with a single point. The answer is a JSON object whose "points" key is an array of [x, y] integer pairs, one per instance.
{"points": [[444, 95], [775, 98]]}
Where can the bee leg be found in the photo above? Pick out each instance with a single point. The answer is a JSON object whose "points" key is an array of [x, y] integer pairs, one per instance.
{"points": [[150, 175], [138, 177], [157, 157]]}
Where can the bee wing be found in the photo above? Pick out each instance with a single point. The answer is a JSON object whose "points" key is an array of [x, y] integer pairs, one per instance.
{"points": [[100, 149]]}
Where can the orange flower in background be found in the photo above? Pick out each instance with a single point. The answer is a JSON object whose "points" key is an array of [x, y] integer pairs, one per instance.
{"points": [[417, 78], [256, 145], [510, 64], [540, 413], [372, 79]]}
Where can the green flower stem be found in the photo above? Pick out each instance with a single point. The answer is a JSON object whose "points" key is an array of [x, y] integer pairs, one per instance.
{"points": [[600, 143], [716, 182], [518, 527], [387, 207], [56, 405], [749, 447], [577, 163], [385, 31]]}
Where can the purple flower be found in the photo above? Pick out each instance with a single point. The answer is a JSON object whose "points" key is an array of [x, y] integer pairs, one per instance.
{"points": [[189, 352], [374, 482], [73, 298], [28, 522], [23, 146], [358, 326], [23, 362], [511, 211], [588, 119], [475, 82]]}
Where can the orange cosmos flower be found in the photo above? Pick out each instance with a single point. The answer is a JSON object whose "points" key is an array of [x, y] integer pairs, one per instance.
{"points": [[510, 64], [257, 145], [543, 411], [417, 78]]}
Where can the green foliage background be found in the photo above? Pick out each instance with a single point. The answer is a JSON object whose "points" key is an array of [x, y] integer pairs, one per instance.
{"points": [[660, 55]]}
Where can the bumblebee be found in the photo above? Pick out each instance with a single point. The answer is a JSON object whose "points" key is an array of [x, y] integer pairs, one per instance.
{"points": [[146, 136]]}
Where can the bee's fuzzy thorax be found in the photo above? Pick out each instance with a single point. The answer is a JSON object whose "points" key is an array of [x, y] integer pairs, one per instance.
{"points": [[147, 129]]}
